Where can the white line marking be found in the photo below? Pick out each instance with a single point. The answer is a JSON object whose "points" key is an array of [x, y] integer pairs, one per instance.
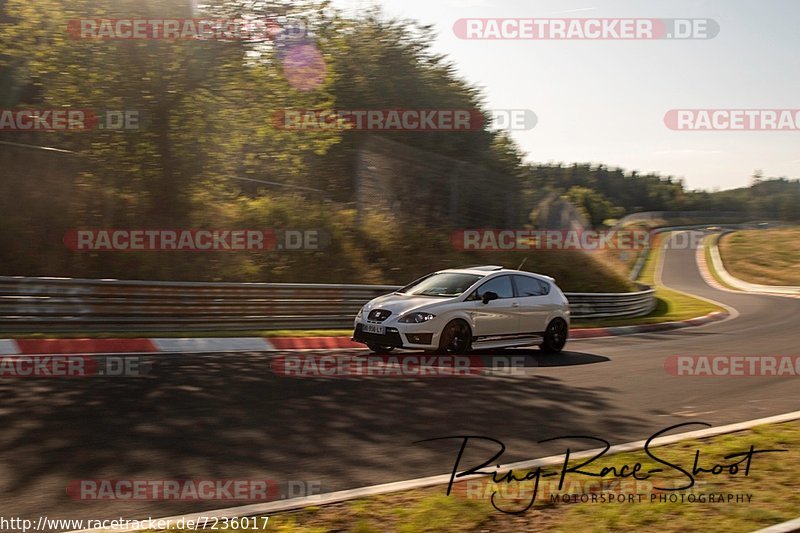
{"points": [[786, 527], [444, 479]]}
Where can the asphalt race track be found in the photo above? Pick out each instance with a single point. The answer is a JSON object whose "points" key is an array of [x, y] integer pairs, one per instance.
{"points": [[229, 416]]}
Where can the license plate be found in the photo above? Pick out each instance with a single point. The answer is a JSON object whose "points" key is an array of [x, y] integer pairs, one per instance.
{"points": [[374, 328]]}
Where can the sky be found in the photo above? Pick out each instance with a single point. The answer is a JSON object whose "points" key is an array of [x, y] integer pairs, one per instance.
{"points": [[605, 101]]}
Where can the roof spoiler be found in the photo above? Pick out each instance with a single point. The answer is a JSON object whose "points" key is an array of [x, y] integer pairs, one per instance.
{"points": [[480, 267]]}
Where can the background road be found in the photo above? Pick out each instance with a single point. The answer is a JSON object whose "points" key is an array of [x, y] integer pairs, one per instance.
{"points": [[228, 416]]}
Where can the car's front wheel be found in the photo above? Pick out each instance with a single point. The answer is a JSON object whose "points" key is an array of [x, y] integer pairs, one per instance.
{"points": [[555, 337], [379, 349], [456, 338]]}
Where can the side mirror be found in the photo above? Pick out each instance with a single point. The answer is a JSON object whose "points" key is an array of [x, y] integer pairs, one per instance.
{"points": [[489, 296]]}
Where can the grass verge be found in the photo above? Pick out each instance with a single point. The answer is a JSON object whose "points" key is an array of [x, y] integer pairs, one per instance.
{"points": [[670, 305], [771, 482], [767, 257]]}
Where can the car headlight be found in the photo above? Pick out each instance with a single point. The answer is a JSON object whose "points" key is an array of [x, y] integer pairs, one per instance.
{"points": [[417, 318], [360, 312]]}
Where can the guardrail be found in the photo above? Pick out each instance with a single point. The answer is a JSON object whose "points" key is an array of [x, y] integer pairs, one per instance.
{"points": [[69, 305], [606, 305]]}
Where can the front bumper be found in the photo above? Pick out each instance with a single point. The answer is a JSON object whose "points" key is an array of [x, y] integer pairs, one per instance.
{"points": [[407, 337]]}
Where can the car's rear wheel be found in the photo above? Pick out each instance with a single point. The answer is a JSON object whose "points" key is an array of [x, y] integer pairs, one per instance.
{"points": [[555, 336], [379, 349], [456, 338]]}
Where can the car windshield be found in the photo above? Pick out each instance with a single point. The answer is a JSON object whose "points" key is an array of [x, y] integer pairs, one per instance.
{"points": [[445, 284]]}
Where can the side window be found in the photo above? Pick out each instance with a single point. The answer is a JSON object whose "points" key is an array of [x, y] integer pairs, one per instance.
{"points": [[529, 286], [500, 285]]}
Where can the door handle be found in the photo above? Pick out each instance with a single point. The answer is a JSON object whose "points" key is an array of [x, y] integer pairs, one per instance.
{"points": [[515, 304]]}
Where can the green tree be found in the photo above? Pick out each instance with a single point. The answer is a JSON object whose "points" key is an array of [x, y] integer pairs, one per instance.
{"points": [[594, 205]]}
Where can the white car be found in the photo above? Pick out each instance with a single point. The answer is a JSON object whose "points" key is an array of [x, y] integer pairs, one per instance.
{"points": [[458, 310]]}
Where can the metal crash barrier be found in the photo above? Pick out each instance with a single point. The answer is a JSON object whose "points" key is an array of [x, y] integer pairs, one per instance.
{"points": [[65, 304]]}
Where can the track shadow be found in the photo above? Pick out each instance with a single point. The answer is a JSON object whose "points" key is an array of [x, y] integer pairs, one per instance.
{"points": [[528, 357], [219, 416], [532, 358]]}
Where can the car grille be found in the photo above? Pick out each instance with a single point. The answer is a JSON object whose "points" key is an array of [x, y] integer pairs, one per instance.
{"points": [[378, 315]]}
